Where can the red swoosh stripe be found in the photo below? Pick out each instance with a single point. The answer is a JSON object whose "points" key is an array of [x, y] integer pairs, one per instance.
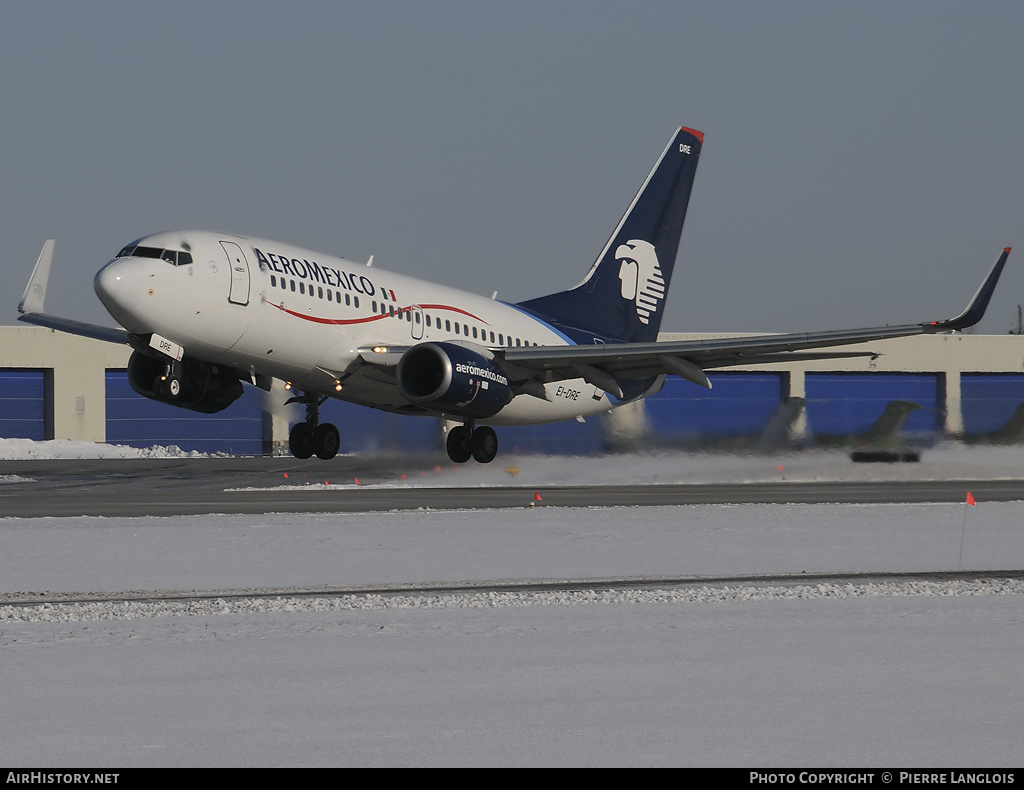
{"points": [[368, 319]]}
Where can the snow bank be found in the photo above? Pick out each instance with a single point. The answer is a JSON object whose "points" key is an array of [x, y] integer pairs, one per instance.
{"points": [[27, 449], [133, 610]]}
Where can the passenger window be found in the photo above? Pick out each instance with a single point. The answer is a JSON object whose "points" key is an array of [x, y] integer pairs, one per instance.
{"points": [[319, 292], [273, 281], [293, 286], [330, 296], [447, 325]]}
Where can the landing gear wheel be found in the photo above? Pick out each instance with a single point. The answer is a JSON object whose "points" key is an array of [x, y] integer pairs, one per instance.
{"points": [[167, 387], [458, 445], [484, 444], [326, 441], [300, 440]]}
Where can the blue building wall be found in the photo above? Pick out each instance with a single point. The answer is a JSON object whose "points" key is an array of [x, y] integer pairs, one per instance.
{"points": [[988, 401], [23, 404], [140, 422], [849, 403], [736, 404]]}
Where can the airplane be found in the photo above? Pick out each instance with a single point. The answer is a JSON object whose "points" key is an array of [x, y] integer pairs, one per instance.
{"points": [[204, 312]]}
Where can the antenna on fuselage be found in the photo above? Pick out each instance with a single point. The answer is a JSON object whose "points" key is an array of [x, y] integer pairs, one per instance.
{"points": [[369, 263]]}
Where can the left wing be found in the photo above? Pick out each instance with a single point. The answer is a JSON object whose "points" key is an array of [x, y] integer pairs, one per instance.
{"points": [[603, 364], [32, 301]]}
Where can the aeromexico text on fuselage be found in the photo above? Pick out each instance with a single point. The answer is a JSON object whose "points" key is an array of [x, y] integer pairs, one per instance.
{"points": [[335, 278], [310, 270]]}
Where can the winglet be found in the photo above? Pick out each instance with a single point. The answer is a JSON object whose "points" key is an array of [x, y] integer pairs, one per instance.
{"points": [[35, 291], [976, 309]]}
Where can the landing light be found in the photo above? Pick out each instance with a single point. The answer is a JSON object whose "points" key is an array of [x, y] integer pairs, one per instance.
{"points": [[287, 385], [337, 386], [380, 349]]}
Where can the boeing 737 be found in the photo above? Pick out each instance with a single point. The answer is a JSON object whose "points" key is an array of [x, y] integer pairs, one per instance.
{"points": [[205, 312]]}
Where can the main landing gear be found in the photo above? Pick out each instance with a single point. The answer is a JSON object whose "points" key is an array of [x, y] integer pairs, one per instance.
{"points": [[309, 437], [464, 442]]}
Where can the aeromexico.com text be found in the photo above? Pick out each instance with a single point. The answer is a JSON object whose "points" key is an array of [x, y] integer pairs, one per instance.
{"points": [[473, 370]]}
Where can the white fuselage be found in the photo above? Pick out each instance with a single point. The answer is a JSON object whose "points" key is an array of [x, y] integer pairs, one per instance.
{"points": [[306, 318]]}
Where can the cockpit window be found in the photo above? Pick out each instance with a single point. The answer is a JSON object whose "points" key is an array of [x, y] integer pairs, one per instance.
{"points": [[173, 257]]}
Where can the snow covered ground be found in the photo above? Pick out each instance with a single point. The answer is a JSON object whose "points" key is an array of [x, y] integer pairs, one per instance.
{"points": [[893, 675]]}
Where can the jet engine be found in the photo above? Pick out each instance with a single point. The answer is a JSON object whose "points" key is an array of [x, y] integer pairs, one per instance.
{"points": [[201, 386], [452, 378]]}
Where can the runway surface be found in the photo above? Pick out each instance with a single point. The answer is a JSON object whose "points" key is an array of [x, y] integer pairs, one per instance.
{"points": [[192, 486]]}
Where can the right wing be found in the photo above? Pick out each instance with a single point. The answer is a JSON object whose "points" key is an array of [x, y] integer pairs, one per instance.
{"points": [[604, 364]]}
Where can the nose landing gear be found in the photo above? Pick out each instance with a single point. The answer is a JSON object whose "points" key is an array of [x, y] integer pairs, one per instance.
{"points": [[309, 437]]}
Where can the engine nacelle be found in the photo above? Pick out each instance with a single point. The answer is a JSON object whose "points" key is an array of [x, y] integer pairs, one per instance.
{"points": [[451, 378], [205, 388]]}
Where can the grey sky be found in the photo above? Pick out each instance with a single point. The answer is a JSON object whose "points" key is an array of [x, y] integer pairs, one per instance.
{"points": [[862, 163]]}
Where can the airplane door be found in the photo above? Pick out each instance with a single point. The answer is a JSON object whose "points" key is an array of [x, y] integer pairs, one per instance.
{"points": [[239, 268], [416, 325]]}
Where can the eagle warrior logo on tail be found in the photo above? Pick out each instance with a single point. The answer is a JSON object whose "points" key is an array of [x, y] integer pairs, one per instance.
{"points": [[641, 277]]}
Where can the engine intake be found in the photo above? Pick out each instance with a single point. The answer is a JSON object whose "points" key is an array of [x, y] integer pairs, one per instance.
{"points": [[451, 378], [205, 388]]}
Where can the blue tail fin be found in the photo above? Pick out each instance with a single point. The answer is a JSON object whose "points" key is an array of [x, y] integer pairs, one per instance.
{"points": [[623, 295]]}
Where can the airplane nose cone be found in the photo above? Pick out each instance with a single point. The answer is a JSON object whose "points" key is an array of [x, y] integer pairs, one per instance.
{"points": [[119, 286]]}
